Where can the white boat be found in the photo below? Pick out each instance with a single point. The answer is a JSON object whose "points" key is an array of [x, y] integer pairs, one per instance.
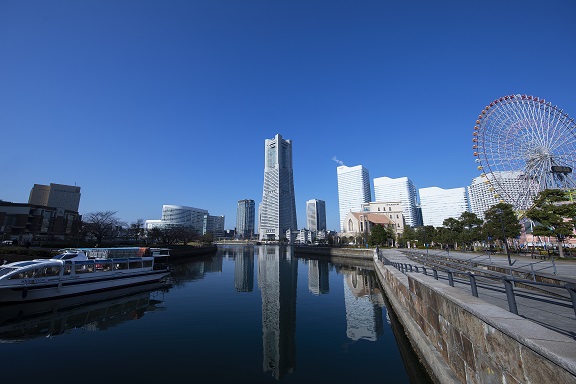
{"points": [[73, 273]]}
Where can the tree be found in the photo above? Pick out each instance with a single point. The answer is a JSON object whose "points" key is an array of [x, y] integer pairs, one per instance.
{"points": [[471, 228], [102, 225], [502, 223], [553, 216], [451, 232], [378, 236], [426, 235], [409, 235], [136, 229]]}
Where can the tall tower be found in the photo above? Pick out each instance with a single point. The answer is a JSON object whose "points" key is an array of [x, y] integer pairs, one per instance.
{"points": [[245, 215], [278, 208], [316, 215], [353, 190], [401, 189]]}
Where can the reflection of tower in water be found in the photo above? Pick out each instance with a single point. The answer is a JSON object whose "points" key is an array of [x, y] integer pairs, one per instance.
{"points": [[364, 302], [277, 277], [244, 270], [318, 276]]}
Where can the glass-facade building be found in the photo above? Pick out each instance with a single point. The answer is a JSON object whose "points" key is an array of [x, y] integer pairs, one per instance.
{"points": [[245, 217], [353, 190], [439, 204], [401, 189], [278, 208], [316, 215]]}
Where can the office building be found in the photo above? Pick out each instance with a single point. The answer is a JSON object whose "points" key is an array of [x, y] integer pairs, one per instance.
{"points": [[63, 197], [353, 190], [278, 209], [401, 189], [512, 187], [245, 216], [174, 216], [213, 225], [439, 204], [316, 215]]}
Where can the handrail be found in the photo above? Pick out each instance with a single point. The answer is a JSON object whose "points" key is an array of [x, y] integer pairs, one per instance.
{"points": [[509, 283]]}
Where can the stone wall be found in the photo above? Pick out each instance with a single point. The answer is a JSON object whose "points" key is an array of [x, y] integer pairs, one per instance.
{"points": [[464, 339]]}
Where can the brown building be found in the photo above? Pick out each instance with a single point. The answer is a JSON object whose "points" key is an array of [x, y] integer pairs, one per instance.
{"points": [[27, 222]]}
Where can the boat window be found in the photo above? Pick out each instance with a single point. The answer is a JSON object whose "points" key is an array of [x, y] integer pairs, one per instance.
{"points": [[103, 265], [84, 267], [135, 264], [121, 264], [147, 263], [68, 268], [26, 274], [49, 271], [5, 271]]}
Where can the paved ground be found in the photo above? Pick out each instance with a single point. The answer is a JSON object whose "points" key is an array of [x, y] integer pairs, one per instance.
{"points": [[559, 318]]}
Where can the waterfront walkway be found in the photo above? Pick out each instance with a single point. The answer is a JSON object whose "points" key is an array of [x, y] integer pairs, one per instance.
{"points": [[552, 310]]}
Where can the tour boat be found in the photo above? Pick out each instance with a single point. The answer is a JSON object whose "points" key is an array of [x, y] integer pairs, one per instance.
{"points": [[73, 273]]}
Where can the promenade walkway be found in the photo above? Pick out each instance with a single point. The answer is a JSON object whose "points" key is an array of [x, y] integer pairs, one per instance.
{"points": [[531, 305]]}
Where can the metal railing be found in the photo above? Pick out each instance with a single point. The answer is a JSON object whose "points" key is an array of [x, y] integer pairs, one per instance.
{"points": [[519, 269], [509, 283]]}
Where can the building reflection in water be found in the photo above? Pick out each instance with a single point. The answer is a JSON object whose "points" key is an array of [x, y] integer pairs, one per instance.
{"points": [[277, 277], [244, 269], [186, 271], [364, 302], [318, 272]]}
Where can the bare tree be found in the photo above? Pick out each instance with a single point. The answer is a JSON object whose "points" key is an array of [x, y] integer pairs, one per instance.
{"points": [[102, 224]]}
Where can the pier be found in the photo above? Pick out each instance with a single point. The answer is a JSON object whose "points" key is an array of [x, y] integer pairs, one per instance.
{"points": [[474, 318]]}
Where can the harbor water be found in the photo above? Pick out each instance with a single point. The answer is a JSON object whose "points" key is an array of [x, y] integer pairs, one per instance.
{"points": [[259, 314]]}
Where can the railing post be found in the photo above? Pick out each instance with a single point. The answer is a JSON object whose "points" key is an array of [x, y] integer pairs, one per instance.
{"points": [[416, 268], [450, 278], [424, 269], [572, 290], [473, 284], [510, 296], [435, 274], [410, 265]]}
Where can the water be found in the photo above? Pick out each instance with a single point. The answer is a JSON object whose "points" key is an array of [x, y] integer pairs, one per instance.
{"points": [[246, 315]]}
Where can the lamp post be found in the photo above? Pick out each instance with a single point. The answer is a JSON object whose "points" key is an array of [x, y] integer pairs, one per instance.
{"points": [[500, 213]]}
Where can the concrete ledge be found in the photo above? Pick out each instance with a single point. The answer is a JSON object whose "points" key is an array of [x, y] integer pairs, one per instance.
{"points": [[479, 342], [432, 360]]}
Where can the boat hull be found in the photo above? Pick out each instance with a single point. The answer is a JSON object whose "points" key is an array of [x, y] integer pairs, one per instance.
{"points": [[77, 285]]}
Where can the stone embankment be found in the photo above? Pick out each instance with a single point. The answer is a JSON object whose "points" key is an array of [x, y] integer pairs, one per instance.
{"points": [[461, 338]]}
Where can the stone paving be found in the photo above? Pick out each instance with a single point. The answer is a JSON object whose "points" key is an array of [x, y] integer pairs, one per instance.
{"points": [[558, 318]]}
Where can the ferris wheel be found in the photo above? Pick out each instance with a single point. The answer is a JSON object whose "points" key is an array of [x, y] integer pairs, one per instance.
{"points": [[522, 146]]}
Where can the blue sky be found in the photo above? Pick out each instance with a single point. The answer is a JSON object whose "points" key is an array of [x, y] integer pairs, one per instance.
{"points": [[145, 103]]}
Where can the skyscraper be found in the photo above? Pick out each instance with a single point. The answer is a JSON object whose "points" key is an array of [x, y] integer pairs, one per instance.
{"points": [[353, 190], [401, 189], [483, 196], [439, 204], [245, 215], [316, 215], [278, 208]]}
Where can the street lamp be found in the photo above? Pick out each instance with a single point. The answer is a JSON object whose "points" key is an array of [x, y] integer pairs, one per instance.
{"points": [[500, 213]]}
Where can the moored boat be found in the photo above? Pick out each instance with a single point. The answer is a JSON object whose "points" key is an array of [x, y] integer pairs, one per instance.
{"points": [[73, 273]]}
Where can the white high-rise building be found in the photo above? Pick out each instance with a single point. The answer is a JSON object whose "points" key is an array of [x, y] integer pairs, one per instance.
{"points": [[316, 215], [174, 216], [353, 190], [278, 209], [401, 189], [439, 204], [483, 196]]}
